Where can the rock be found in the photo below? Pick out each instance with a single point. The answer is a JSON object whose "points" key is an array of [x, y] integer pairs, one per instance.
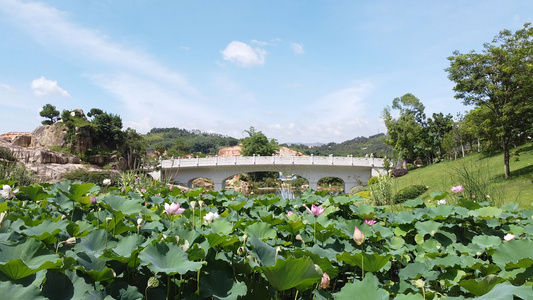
{"points": [[48, 136], [22, 140]]}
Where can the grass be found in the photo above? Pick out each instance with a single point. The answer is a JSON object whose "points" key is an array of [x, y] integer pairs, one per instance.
{"points": [[481, 170]]}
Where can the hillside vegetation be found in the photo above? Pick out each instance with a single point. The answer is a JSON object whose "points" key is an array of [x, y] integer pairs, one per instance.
{"points": [[482, 170]]}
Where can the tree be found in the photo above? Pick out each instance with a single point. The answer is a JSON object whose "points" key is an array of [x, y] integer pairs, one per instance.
{"points": [[406, 132], [257, 143], [49, 111], [500, 79], [435, 130], [108, 129]]}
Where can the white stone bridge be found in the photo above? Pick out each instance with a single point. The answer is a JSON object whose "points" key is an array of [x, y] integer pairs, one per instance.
{"points": [[353, 171]]}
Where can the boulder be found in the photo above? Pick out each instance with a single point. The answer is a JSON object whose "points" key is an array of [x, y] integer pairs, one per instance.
{"points": [[48, 136]]}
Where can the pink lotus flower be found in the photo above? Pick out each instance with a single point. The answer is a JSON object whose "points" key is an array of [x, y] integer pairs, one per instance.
{"points": [[290, 213], [369, 222], [93, 200], [358, 236], [324, 283], [173, 209], [457, 189], [315, 210]]}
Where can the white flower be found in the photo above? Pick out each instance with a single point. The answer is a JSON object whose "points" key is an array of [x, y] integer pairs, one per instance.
{"points": [[107, 181], [71, 241], [2, 216], [509, 237], [7, 193], [210, 217], [441, 202]]}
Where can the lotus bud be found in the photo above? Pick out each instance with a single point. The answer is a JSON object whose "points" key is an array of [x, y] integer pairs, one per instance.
{"points": [[419, 283], [71, 241], [325, 281], [193, 205], [63, 217], [244, 238], [93, 200], [2, 216], [296, 206], [171, 188], [358, 236], [201, 204]]}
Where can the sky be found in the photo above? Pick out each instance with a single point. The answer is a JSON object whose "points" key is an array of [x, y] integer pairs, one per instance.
{"points": [[299, 71]]}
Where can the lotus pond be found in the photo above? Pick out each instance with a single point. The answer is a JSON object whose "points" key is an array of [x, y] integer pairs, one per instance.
{"points": [[75, 240]]}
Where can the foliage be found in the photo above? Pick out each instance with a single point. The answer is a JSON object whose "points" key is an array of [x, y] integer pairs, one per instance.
{"points": [[12, 170], [258, 144], [181, 142], [410, 192], [357, 189], [398, 172], [51, 113], [358, 147], [499, 79], [439, 177], [381, 192], [476, 183], [123, 246], [373, 180], [96, 177]]}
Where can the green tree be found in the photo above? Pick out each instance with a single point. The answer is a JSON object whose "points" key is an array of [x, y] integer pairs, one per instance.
{"points": [[257, 143], [405, 134], [51, 113], [108, 129], [435, 130], [500, 79]]}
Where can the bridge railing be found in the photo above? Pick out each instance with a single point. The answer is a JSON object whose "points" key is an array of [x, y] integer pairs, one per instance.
{"points": [[273, 160]]}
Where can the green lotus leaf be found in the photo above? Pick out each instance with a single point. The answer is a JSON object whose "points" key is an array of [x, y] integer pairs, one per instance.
{"points": [[94, 243], [264, 252], [365, 211], [46, 229], [294, 225], [513, 251], [34, 192], [292, 272], [261, 230], [23, 259], [121, 206], [77, 191], [223, 240], [439, 196], [221, 226], [371, 262], [167, 258], [413, 270], [413, 203], [441, 212], [272, 220], [220, 285], [404, 217], [487, 241], [368, 288], [481, 286], [409, 297], [95, 267], [343, 200], [468, 203], [396, 242], [428, 227], [506, 290], [18, 291], [127, 246], [486, 213]]}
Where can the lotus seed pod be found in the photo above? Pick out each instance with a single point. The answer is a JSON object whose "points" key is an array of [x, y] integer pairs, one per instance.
{"points": [[241, 251], [153, 282]]}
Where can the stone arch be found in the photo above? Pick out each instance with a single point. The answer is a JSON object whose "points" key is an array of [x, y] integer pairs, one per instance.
{"points": [[343, 183]]}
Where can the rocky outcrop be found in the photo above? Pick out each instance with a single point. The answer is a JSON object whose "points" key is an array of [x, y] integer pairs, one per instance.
{"points": [[48, 136]]}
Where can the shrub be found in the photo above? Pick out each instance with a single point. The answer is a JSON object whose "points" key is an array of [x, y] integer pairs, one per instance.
{"points": [[410, 192], [381, 192], [357, 189], [398, 172], [96, 177], [372, 180], [410, 167], [11, 170]]}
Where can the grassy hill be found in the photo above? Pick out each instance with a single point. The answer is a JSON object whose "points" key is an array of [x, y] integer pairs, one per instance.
{"points": [[485, 171]]}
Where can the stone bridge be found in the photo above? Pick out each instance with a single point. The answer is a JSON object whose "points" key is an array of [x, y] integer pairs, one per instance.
{"points": [[353, 171]]}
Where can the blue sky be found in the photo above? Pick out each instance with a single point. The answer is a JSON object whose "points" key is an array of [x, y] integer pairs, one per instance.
{"points": [[299, 71]]}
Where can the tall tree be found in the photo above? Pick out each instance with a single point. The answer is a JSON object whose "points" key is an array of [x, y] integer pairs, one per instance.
{"points": [[51, 113], [406, 132], [500, 79], [257, 143]]}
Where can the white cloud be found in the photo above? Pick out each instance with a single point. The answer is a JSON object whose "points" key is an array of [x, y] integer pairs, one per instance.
{"points": [[7, 87], [297, 48], [43, 87], [243, 55]]}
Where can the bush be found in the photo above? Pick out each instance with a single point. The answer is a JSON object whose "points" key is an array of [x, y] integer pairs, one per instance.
{"points": [[372, 180], [410, 192], [11, 170], [357, 189], [381, 192], [398, 172], [410, 167], [95, 177]]}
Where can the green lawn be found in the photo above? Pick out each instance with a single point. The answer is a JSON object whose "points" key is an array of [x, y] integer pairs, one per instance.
{"points": [[486, 170]]}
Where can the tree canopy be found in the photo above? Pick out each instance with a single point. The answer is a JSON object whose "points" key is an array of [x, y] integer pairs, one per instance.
{"points": [[51, 113], [500, 78], [257, 143]]}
